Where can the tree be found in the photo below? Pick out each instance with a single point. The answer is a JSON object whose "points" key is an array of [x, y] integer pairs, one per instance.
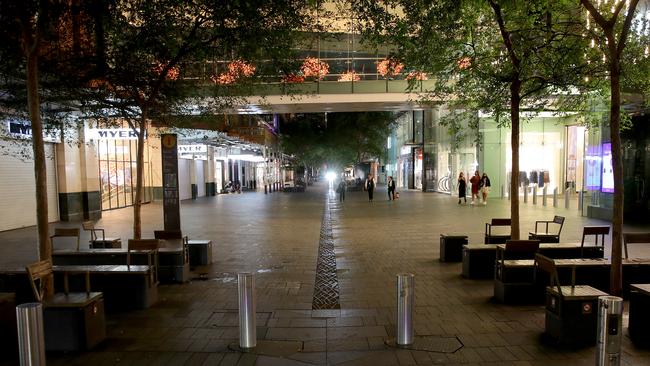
{"points": [[494, 56], [339, 139], [148, 48], [33, 32], [614, 19]]}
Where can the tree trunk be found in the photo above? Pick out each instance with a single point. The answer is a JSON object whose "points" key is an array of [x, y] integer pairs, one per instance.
{"points": [[137, 205], [40, 173], [515, 100], [616, 274]]}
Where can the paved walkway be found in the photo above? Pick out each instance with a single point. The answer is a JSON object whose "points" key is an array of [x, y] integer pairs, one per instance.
{"points": [[277, 236]]}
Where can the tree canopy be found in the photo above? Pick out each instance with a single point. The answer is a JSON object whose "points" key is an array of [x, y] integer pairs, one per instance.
{"points": [[336, 139]]}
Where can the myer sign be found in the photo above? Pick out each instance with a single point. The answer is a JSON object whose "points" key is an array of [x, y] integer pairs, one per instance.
{"points": [[111, 134], [199, 152]]}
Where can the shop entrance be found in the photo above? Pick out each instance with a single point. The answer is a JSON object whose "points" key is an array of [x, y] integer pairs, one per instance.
{"points": [[117, 172]]}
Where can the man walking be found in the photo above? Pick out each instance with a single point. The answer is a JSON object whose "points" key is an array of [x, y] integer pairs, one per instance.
{"points": [[391, 189]]}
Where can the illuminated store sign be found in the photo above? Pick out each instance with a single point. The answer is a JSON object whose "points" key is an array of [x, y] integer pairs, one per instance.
{"points": [[198, 152], [112, 134]]}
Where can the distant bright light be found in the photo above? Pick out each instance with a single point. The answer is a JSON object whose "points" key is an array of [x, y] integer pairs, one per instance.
{"points": [[330, 176]]}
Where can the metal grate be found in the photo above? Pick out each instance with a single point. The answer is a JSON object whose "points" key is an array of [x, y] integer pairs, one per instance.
{"points": [[326, 287]]}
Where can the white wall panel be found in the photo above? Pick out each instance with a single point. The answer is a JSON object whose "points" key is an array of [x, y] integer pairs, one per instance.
{"points": [[200, 178], [18, 190], [184, 188]]}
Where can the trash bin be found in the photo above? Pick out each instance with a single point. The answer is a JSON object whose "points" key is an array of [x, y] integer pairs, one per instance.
{"points": [[451, 247]]}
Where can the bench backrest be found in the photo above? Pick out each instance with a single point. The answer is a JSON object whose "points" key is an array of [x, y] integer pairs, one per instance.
{"points": [[560, 221], [145, 244], [595, 231], [547, 265], [518, 249], [169, 234], [635, 238], [60, 231], [63, 232], [38, 272], [90, 226], [523, 246], [501, 222]]}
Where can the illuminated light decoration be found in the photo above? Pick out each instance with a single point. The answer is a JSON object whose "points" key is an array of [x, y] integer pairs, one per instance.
{"points": [[172, 73], [293, 78], [417, 75], [389, 68], [236, 70], [313, 67], [223, 79], [241, 68], [464, 63], [349, 76]]}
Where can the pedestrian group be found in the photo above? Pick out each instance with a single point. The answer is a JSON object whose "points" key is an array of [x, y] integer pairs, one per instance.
{"points": [[479, 184]]}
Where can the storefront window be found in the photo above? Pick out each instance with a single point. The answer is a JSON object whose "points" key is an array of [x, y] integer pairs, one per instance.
{"points": [[117, 172]]}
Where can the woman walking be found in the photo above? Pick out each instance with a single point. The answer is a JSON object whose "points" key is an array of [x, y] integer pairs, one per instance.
{"points": [[462, 187], [475, 181], [485, 187], [370, 186]]}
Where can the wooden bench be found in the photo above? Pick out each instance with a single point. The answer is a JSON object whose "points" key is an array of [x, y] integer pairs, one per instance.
{"points": [[149, 246], [595, 231], [174, 256], [98, 238], [65, 233], [71, 321], [634, 238], [479, 259], [515, 287], [571, 311], [123, 287], [546, 236], [639, 321], [492, 238]]}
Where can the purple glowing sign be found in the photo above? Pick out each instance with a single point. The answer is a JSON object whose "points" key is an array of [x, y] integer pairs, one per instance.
{"points": [[607, 169]]}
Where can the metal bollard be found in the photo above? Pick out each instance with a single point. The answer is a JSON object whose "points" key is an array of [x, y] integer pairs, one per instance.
{"points": [[567, 197], [581, 197], [31, 339], [503, 191], [610, 330], [247, 330], [265, 189], [544, 196], [525, 194], [405, 295], [555, 197], [534, 195]]}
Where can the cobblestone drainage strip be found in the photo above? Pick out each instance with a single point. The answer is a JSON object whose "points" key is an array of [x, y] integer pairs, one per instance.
{"points": [[431, 344], [271, 348], [326, 286]]}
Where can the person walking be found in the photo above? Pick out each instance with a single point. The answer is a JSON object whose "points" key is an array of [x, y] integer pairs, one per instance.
{"points": [[485, 187], [341, 190], [370, 186], [462, 187], [391, 189], [475, 181]]}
